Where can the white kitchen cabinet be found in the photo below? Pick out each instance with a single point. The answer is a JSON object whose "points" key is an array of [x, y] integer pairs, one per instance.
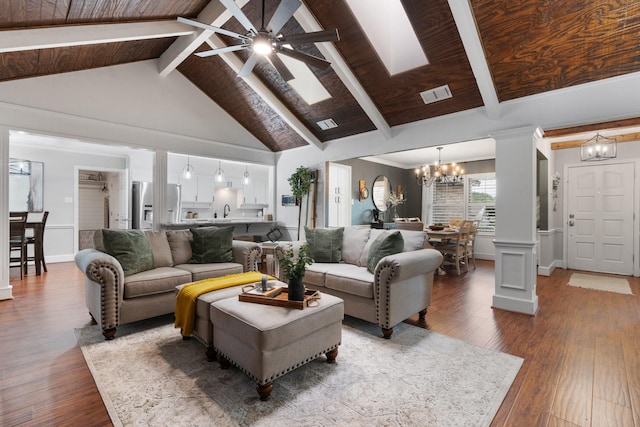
{"points": [[199, 188], [253, 193]]}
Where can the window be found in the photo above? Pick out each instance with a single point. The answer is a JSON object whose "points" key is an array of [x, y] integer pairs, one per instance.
{"points": [[474, 199]]}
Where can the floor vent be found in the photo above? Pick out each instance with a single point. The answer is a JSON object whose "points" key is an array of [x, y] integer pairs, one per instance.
{"points": [[437, 94]]}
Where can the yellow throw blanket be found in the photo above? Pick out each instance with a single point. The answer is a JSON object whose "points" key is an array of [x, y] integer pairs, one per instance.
{"points": [[186, 299]]}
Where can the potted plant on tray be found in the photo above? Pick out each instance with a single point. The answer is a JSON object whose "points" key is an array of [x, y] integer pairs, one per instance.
{"points": [[294, 266]]}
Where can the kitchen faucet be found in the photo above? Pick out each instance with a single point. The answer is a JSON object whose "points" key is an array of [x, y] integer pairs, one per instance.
{"points": [[225, 211]]}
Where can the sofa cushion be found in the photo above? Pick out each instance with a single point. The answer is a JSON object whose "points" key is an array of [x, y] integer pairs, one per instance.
{"points": [[154, 281], [131, 248], [373, 235], [159, 248], [354, 240], [351, 279], [388, 243], [413, 240], [315, 274], [180, 244], [210, 270], [211, 244], [324, 243]]}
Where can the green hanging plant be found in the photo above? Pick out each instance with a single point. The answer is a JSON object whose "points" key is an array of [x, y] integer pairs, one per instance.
{"points": [[300, 183]]}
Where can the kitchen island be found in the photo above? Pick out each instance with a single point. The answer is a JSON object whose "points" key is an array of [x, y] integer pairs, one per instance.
{"points": [[254, 229]]}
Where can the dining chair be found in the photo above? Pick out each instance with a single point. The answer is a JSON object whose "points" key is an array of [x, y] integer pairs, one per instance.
{"points": [[17, 240], [455, 251], [471, 243], [36, 241], [455, 222], [405, 225]]}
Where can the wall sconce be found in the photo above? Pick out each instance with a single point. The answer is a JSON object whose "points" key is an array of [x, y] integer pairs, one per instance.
{"points": [[363, 193], [187, 171]]}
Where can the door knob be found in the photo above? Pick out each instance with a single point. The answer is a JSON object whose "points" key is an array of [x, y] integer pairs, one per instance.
{"points": [[571, 216], [571, 223]]}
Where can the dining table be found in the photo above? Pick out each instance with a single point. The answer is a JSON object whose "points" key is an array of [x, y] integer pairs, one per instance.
{"points": [[441, 236]]}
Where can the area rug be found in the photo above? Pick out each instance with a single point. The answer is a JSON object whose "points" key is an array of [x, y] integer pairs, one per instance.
{"points": [[600, 283], [149, 376]]}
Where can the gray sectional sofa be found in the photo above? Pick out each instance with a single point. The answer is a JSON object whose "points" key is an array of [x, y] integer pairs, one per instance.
{"points": [[399, 286], [114, 298]]}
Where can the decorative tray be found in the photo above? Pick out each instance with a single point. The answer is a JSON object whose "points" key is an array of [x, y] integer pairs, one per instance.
{"points": [[278, 296]]}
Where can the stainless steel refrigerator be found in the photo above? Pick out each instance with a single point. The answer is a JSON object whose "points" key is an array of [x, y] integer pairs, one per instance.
{"points": [[142, 205]]}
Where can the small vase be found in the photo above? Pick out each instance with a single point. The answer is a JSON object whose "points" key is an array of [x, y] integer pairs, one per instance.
{"points": [[296, 290]]}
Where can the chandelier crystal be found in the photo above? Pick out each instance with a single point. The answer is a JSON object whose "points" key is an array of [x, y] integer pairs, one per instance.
{"points": [[439, 173]]}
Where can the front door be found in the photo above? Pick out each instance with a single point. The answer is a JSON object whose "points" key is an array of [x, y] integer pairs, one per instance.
{"points": [[599, 218]]}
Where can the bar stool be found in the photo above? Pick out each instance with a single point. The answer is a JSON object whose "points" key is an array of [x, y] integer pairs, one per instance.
{"points": [[17, 240], [36, 240]]}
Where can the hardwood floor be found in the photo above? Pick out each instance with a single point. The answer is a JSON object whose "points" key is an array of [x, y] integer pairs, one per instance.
{"points": [[581, 351]]}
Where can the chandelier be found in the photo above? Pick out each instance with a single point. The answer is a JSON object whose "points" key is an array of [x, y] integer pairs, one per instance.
{"points": [[442, 174], [598, 148]]}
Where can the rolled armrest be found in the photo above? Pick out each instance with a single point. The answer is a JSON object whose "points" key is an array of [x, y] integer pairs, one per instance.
{"points": [[282, 248], [247, 254], [404, 265], [104, 287]]}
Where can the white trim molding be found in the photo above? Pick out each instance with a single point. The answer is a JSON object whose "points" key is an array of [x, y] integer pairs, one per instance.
{"points": [[516, 277]]}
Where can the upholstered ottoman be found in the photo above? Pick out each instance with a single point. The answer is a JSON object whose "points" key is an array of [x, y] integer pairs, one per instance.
{"points": [[266, 341]]}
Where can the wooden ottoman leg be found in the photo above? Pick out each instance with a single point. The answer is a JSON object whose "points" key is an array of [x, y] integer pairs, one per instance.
{"points": [[386, 333], [264, 390], [109, 333], [331, 355], [211, 353]]}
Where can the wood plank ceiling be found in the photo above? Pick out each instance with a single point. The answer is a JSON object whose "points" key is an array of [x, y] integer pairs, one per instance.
{"points": [[530, 46]]}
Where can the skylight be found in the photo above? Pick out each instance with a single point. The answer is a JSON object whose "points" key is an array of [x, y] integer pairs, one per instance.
{"points": [[305, 83], [389, 31]]}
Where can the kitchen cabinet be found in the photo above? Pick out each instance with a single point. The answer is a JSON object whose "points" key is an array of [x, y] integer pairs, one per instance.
{"points": [[198, 189], [253, 193]]}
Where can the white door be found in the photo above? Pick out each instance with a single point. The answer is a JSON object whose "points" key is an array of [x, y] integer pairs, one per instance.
{"points": [[339, 196], [600, 218]]}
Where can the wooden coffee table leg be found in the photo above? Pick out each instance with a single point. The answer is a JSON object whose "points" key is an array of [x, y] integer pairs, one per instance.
{"points": [[264, 390], [331, 355], [224, 363]]}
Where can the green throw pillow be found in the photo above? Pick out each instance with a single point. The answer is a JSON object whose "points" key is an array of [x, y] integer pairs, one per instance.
{"points": [[325, 244], [211, 244], [131, 248], [388, 243]]}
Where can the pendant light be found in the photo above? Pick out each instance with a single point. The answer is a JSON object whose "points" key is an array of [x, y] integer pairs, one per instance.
{"points": [[187, 171], [219, 172], [246, 174]]}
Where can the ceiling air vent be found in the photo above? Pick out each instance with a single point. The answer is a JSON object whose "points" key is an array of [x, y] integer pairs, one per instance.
{"points": [[327, 124], [437, 94]]}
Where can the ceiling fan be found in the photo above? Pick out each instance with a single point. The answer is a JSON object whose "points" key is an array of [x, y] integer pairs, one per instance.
{"points": [[267, 41]]}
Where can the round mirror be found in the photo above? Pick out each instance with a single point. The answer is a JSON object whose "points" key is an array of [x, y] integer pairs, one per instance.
{"points": [[380, 192]]}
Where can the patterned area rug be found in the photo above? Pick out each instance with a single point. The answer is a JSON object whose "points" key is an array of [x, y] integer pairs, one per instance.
{"points": [[600, 283], [149, 376]]}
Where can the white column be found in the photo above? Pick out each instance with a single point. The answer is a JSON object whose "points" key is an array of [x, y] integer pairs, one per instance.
{"points": [[5, 287], [515, 242], [160, 189]]}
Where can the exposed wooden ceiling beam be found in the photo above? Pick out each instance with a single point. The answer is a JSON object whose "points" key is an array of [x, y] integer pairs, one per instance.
{"points": [[627, 137], [593, 127], [309, 23], [463, 15], [77, 35], [263, 92], [214, 14]]}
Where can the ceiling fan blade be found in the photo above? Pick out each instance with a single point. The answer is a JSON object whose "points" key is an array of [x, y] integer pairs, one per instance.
{"points": [[314, 61], [221, 50], [239, 15], [313, 37], [213, 28], [283, 13], [281, 68], [248, 66]]}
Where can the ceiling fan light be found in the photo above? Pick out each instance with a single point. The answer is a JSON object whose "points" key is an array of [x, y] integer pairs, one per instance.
{"points": [[262, 45]]}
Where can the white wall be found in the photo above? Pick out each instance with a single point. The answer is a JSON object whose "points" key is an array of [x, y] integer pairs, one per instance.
{"points": [[59, 192]]}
